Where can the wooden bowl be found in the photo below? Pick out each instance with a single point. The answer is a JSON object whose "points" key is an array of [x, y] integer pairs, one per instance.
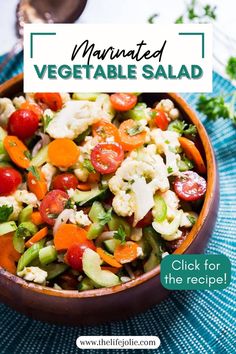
{"points": [[119, 302]]}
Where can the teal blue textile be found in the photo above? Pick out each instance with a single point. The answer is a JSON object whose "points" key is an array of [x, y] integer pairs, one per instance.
{"points": [[12, 68], [187, 322]]}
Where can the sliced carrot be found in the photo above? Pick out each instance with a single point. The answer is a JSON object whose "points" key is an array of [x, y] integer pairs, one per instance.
{"points": [[94, 177], [67, 235], [104, 130], [32, 107], [17, 151], [126, 253], [37, 237], [131, 136], [193, 154], [84, 186], [8, 255], [63, 152], [37, 183], [111, 269], [108, 258], [36, 218]]}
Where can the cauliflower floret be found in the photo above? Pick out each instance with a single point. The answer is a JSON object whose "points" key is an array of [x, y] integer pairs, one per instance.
{"points": [[80, 218], [172, 203], [65, 97], [139, 252], [34, 274], [76, 116], [165, 105], [73, 119], [188, 219], [80, 171], [141, 166], [6, 109], [123, 204], [143, 124], [23, 196], [174, 236], [102, 107], [11, 201], [171, 199], [49, 172], [17, 101], [29, 96], [167, 142], [174, 114]]}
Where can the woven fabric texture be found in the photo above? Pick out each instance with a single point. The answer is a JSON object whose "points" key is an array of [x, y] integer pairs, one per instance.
{"points": [[187, 322]]}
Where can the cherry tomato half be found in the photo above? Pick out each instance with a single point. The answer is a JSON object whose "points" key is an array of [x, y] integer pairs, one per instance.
{"points": [[51, 100], [10, 180], [74, 254], [65, 181], [161, 119], [23, 123], [123, 101], [52, 205], [107, 157], [190, 186], [105, 130]]}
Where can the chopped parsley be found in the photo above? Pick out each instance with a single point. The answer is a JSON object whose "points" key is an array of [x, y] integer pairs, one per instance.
{"points": [[192, 219], [105, 217], [198, 13], [69, 204], [5, 212], [169, 169], [12, 144], [52, 216], [152, 18], [46, 121], [182, 128], [216, 107], [27, 154], [135, 130], [120, 234], [35, 172], [88, 165], [185, 164], [23, 232]]}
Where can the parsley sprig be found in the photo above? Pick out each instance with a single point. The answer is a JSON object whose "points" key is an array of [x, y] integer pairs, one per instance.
{"points": [[152, 18], [46, 121], [88, 165], [231, 68], [5, 212], [198, 13], [105, 217], [120, 234], [217, 107], [183, 128]]}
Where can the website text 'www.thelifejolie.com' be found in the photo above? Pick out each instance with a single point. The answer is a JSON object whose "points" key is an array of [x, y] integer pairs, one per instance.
{"points": [[118, 342]]}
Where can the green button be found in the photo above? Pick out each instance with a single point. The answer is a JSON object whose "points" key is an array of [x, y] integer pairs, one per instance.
{"points": [[195, 272]]}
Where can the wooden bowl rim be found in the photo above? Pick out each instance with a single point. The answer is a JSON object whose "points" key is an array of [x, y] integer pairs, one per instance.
{"points": [[211, 186]]}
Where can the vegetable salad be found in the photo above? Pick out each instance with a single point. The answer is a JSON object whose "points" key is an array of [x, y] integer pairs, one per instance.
{"points": [[95, 189]]}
